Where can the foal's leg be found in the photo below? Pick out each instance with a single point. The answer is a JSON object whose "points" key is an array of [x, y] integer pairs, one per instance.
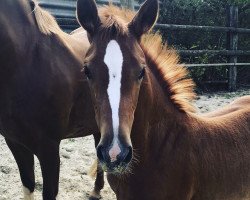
{"points": [[48, 156], [99, 181], [25, 161]]}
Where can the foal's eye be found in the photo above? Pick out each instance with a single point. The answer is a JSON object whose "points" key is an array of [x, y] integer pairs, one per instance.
{"points": [[142, 73], [87, 72]]}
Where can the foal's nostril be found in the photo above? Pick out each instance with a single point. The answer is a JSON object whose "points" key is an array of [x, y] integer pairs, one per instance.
{"points": [[129, 155], [126, 156]]}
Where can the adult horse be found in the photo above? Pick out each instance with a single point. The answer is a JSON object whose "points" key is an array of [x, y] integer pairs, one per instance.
{"points": [[43, 95], [142, 98]]}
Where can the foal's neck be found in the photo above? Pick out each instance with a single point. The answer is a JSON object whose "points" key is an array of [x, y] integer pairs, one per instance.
{"points": [[163, 122]]}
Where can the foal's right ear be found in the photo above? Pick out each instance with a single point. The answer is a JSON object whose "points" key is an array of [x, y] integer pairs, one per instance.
{"points": [[87, 15]]}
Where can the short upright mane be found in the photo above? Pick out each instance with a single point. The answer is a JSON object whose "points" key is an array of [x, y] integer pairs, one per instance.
{"points": [[164, 61]]}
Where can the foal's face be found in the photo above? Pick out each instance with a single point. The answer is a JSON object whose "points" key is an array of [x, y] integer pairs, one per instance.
{"points": [[115, 69], [115, 72]]}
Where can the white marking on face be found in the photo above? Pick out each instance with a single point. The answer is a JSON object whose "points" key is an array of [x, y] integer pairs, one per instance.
{"points": [[114, 61], [27, 195], [114, 151]]}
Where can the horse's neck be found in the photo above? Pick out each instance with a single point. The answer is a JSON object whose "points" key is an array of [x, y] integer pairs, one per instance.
{"points": [[16, 39], [163, 122], [168, 127], [16, 25]]}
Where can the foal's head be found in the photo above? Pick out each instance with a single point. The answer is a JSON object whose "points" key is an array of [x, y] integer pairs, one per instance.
{"points": [[115, 66]]}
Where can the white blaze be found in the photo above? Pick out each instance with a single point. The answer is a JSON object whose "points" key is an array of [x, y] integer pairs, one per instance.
{"points": [[27, 194], [114, 61]]}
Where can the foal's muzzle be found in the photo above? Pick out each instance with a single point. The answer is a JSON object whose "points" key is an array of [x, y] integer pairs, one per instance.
{"points": [[118, 165]]}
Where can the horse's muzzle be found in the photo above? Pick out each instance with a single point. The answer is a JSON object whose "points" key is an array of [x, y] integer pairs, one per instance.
{"points": [[119, 164]]}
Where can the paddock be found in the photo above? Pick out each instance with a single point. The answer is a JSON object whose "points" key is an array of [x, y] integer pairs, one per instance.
{"points": [[77, 156]]}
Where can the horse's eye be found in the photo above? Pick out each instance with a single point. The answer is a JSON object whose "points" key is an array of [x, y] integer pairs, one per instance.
{"points": [[87, 72], [142, 73]]}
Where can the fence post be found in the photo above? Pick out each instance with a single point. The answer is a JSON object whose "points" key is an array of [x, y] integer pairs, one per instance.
{"points": [[232, 44], [128, 4]]}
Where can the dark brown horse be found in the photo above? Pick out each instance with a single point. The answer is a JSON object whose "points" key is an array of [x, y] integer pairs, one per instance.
{"points": [[44, 97], [142, 98]]}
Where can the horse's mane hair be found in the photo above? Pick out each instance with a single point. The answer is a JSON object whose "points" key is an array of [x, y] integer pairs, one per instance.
{"points": [[165, 61], [47, 24]]}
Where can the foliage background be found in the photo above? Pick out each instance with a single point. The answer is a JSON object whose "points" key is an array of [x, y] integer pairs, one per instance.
{"points": [[206, 13]]}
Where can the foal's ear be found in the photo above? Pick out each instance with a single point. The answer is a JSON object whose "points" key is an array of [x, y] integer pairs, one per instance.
{"points": [[87, 15], [145, 18]]}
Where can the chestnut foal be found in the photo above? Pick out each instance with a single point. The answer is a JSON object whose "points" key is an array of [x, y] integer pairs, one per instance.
{"points": [[153, 145]]}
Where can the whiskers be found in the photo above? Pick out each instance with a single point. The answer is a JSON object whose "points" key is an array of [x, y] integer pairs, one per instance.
{"points": [[130, 167], [136, 157], [123, 171]]}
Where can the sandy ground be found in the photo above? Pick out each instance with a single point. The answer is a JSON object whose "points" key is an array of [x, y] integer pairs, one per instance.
{"points": [[77, 156]]}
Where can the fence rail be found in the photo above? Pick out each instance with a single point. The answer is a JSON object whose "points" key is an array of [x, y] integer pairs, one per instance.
{"points": [[214, 52], [216, 65], [202, 28]]}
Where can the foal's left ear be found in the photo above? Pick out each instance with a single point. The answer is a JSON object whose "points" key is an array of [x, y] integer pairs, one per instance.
{"points": [[145, 18], [87, 15]]}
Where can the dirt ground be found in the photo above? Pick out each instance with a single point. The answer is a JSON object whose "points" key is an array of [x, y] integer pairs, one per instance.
{"points": [[77, 156]]}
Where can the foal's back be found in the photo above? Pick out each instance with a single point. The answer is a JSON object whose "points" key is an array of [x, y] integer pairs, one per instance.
{"points": [[223, 153], [241, 103]]}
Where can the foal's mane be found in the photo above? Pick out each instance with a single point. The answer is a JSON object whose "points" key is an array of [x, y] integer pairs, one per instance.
{"points": [[164, 61]]}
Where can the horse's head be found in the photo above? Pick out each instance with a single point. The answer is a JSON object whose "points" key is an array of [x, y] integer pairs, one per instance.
{"points": [[115, 67]]}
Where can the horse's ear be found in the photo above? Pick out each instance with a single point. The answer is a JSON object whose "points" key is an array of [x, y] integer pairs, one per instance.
{"points": [[87, 15], [145, 18]]}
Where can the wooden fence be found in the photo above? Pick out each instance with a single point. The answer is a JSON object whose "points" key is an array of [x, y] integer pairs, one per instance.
{"points": [[232, 51], [64, 11]]}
